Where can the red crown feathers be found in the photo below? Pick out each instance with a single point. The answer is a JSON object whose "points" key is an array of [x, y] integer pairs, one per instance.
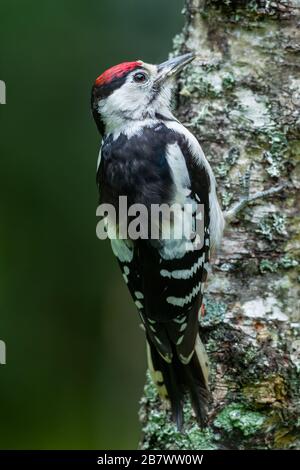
{"points": [[117, 71]]}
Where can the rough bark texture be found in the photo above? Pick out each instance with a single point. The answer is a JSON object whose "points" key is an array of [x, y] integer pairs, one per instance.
{"points": [[243, 106]]}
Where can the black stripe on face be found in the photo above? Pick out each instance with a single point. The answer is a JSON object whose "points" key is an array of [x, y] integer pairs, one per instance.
{"points": [[103, 91], [100, 92], [99, 121]]}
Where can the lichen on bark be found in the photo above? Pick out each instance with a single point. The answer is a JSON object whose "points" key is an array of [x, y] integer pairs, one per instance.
{"points": [[241, 99]]}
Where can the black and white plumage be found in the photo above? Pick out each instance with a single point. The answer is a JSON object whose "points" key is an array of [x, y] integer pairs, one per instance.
{"points": [[148, 156]]}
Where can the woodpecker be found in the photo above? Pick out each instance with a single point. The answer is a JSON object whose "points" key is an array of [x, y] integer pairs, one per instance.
{"points": [[148, 156]]}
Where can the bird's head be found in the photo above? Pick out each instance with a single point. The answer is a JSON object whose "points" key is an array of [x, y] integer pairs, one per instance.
{"points": [[134, 91]]}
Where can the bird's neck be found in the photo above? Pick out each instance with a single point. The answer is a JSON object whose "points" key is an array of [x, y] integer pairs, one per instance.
{"points": [[123, 123]]}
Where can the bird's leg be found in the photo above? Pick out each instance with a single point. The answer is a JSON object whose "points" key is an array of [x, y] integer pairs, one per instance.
{"points": [[246, 198]]}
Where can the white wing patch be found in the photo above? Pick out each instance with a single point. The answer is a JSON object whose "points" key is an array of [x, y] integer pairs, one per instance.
{"points": [[180, 173], [183, 209], [216, 216]]}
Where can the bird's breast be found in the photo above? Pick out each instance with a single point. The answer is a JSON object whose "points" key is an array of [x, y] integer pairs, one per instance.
{"points": [[136, 168]]}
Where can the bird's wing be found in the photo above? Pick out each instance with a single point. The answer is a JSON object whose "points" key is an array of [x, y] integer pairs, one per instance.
{"points": [[174, 271]]}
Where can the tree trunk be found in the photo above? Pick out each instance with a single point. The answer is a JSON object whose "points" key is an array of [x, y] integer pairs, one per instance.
{"points": [[242, 103]]}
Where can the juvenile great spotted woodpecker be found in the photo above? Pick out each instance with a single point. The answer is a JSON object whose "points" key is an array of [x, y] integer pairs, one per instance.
{"points": [[148, 156]]}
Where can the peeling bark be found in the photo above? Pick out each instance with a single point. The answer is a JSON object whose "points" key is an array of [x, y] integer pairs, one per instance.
{"points": [[241, 100]]}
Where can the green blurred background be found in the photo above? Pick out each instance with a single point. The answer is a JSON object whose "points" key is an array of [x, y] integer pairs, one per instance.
{"points": [[75, 354]]}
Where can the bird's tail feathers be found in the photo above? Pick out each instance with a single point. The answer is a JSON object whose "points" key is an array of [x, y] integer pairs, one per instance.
{"points": [[174, 379]]}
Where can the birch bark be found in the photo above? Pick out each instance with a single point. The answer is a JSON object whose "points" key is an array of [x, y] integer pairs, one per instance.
{"points": [[241, 100]]}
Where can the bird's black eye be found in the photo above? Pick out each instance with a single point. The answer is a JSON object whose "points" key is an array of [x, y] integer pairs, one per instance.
{"points": [[140, 77]]}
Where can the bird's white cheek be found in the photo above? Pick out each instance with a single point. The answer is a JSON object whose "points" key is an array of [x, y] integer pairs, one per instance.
{"points": [[127, 99]]}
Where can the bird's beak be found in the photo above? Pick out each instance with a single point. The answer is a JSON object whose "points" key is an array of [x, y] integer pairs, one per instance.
{"points": [[173, 66]]}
